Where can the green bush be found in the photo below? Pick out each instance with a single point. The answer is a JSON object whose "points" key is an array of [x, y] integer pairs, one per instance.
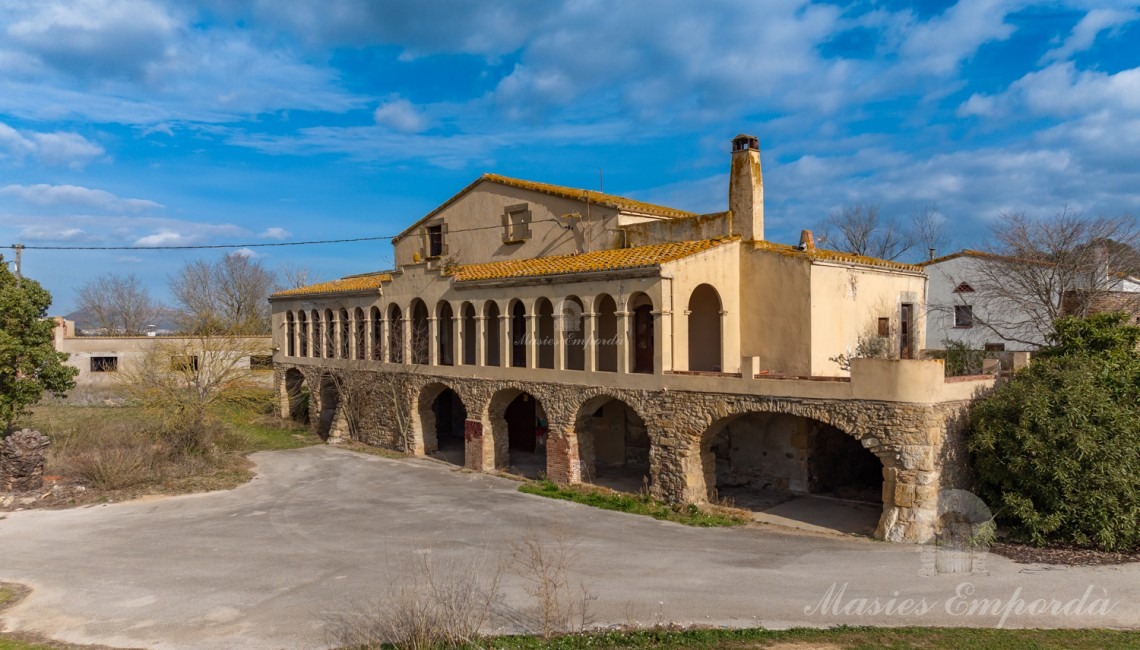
{"points": [[1056, 450]]}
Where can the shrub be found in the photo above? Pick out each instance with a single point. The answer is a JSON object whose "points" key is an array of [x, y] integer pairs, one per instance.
{"points": [[1057, 448]]}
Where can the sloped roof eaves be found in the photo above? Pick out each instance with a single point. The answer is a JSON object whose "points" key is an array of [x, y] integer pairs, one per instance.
{"points": [[350, 284], [962, 253], [822, 255], [613, 260]]}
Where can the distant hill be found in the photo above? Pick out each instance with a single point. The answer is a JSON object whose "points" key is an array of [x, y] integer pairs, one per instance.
{"points": [[85, 322]]}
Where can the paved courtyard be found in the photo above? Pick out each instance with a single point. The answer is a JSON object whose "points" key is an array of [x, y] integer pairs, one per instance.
{"points": [[321, 528]]}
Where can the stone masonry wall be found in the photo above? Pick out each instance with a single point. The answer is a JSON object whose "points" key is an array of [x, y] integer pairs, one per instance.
{"points": [[919, 445]]}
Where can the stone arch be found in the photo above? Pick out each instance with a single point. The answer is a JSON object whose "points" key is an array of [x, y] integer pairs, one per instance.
{"points": [[439, 406], [344, 333], [395, 334], [375, 324], [360, 334], [330, 408], [642, 332], [515, 417], [302, 334], [705, 333], [613, 443], [420, 332], [470, 334], [544, 346], [445, 329], [329, 329], [519, 334], [573, 333], [297, 398], [290, 335], [318, 335], [492, 324], [605, 333]]}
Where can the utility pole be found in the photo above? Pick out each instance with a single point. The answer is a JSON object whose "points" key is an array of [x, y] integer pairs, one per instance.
{"points": [[19, 248]]}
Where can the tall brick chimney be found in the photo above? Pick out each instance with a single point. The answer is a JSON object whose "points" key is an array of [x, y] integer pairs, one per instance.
{"points": [[746, 189]]}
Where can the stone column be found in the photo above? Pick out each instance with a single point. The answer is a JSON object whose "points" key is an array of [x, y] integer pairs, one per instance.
{"points": [[474, 452], [624, 349], [559, 344], [480, 341], [662, 341], [562, 464], [406, 338], [532, 343], [589, 351], [505, 348], [384, 333], [433, 340]]}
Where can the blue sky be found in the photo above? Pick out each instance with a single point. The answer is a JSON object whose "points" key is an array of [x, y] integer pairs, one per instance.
{"points": [[144, 122]]}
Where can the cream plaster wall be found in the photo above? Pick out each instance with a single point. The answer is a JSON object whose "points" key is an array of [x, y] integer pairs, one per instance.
{"points": [[720, 268], [775, 310]]}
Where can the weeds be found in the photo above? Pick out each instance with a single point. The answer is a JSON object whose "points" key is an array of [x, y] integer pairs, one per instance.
{"points": [[640, 504]]}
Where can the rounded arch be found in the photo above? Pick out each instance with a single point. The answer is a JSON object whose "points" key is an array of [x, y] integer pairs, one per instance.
{"points": [[329, 330], [445, 328], [359, 334], [705, 332], [395, 334], [330, 405], [343, 334], [470, 333], [519, 426], [613, 444], [544, 346], [492, 328], [419, 331], [318, 334], [302, 334], [290, 335], [573, 333], [605, 333], [518, 330], [376, 326], [297, 396], [642, 330], [440, 421]]}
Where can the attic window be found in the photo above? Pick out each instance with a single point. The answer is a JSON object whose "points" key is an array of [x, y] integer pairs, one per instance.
{"points": [[516, 224], [963, 288], [435, 239]]}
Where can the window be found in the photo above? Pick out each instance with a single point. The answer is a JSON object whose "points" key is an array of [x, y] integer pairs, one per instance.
{"points": [[963, 316], [184, 363], [994, 347], [104, 364], [884, 327], [516, 224], [261, 362], [435, 240], [963, 288]]}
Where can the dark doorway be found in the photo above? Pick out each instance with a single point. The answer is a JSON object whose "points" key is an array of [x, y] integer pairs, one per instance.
{"points": [[906, 331], [613, 445], [839, 466], [330, 400], [450, 419], [298, 394], [643, 339], [521, 417]]}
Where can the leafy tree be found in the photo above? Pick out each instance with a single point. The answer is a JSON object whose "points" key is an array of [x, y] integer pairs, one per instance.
{"points": [[1057, 448], [29, 364]]}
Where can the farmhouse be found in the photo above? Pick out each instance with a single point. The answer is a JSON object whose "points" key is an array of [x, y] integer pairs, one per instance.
{"points": [[595, 338]]}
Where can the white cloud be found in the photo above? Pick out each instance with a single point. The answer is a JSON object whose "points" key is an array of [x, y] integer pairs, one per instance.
{"points": [[1086, 30], [74, 195], [275, 233], [247, 253], [163, 238], [401, 115], [57, 148]]}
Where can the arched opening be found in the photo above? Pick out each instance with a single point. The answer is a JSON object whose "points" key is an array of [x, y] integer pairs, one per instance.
{"points": [[613, 445], [303, 335], [395, 334], [518, 335], [297, 394], [780, 465], [443, 417], [491, 327], [318, 335], [605, 344], [470, 333], [290, 335], [330, 401], [641, 311], [705, 330], [544, 311], [377, 334], [419, 332], [329, 329], [573, 334], [360, 338], [446, 328], [519, 429], [344, 334]]}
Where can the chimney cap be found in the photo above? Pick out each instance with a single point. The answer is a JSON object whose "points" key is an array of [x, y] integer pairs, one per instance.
{"points": [[743, 142]]}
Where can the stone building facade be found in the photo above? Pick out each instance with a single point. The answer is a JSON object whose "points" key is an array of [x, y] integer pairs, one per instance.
{"points": [[604, 339]]}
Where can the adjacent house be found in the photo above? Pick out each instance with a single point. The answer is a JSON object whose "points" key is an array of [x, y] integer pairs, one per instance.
{"points": [[596, 338]]}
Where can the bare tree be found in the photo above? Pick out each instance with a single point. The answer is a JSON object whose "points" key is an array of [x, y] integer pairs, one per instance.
{"points": [[120, 304], [1037, 270], [228, 296], [294, 276], [928, 231], [859, 230]]}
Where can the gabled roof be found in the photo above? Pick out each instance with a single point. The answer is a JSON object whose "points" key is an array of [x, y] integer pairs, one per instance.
{"points": [[349, 284], [597, 198], [962, 253], [604, 260], [836, 256]]}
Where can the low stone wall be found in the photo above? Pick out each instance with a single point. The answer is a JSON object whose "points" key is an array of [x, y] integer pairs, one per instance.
{"points": [[919, 444]]}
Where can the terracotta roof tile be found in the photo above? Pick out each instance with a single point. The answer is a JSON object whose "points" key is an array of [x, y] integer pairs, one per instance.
{"points": [[836, 256], [605, 260], [610, 200], [350, 284]]}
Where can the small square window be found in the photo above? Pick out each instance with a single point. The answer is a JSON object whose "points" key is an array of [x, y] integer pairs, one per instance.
{"points": [[104, 364], [884, 327], [516, 224], [963, 316]]}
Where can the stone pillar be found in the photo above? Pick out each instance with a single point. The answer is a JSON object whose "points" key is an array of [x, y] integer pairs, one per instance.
{"points": [[474, 452], [623, 342], [480, 341], [532, 342], [406, 338], [662, 341], [22, 457], [384, 333], [559, 335], [590, 350], [505, 348], [433, 340], [562, 464]]}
